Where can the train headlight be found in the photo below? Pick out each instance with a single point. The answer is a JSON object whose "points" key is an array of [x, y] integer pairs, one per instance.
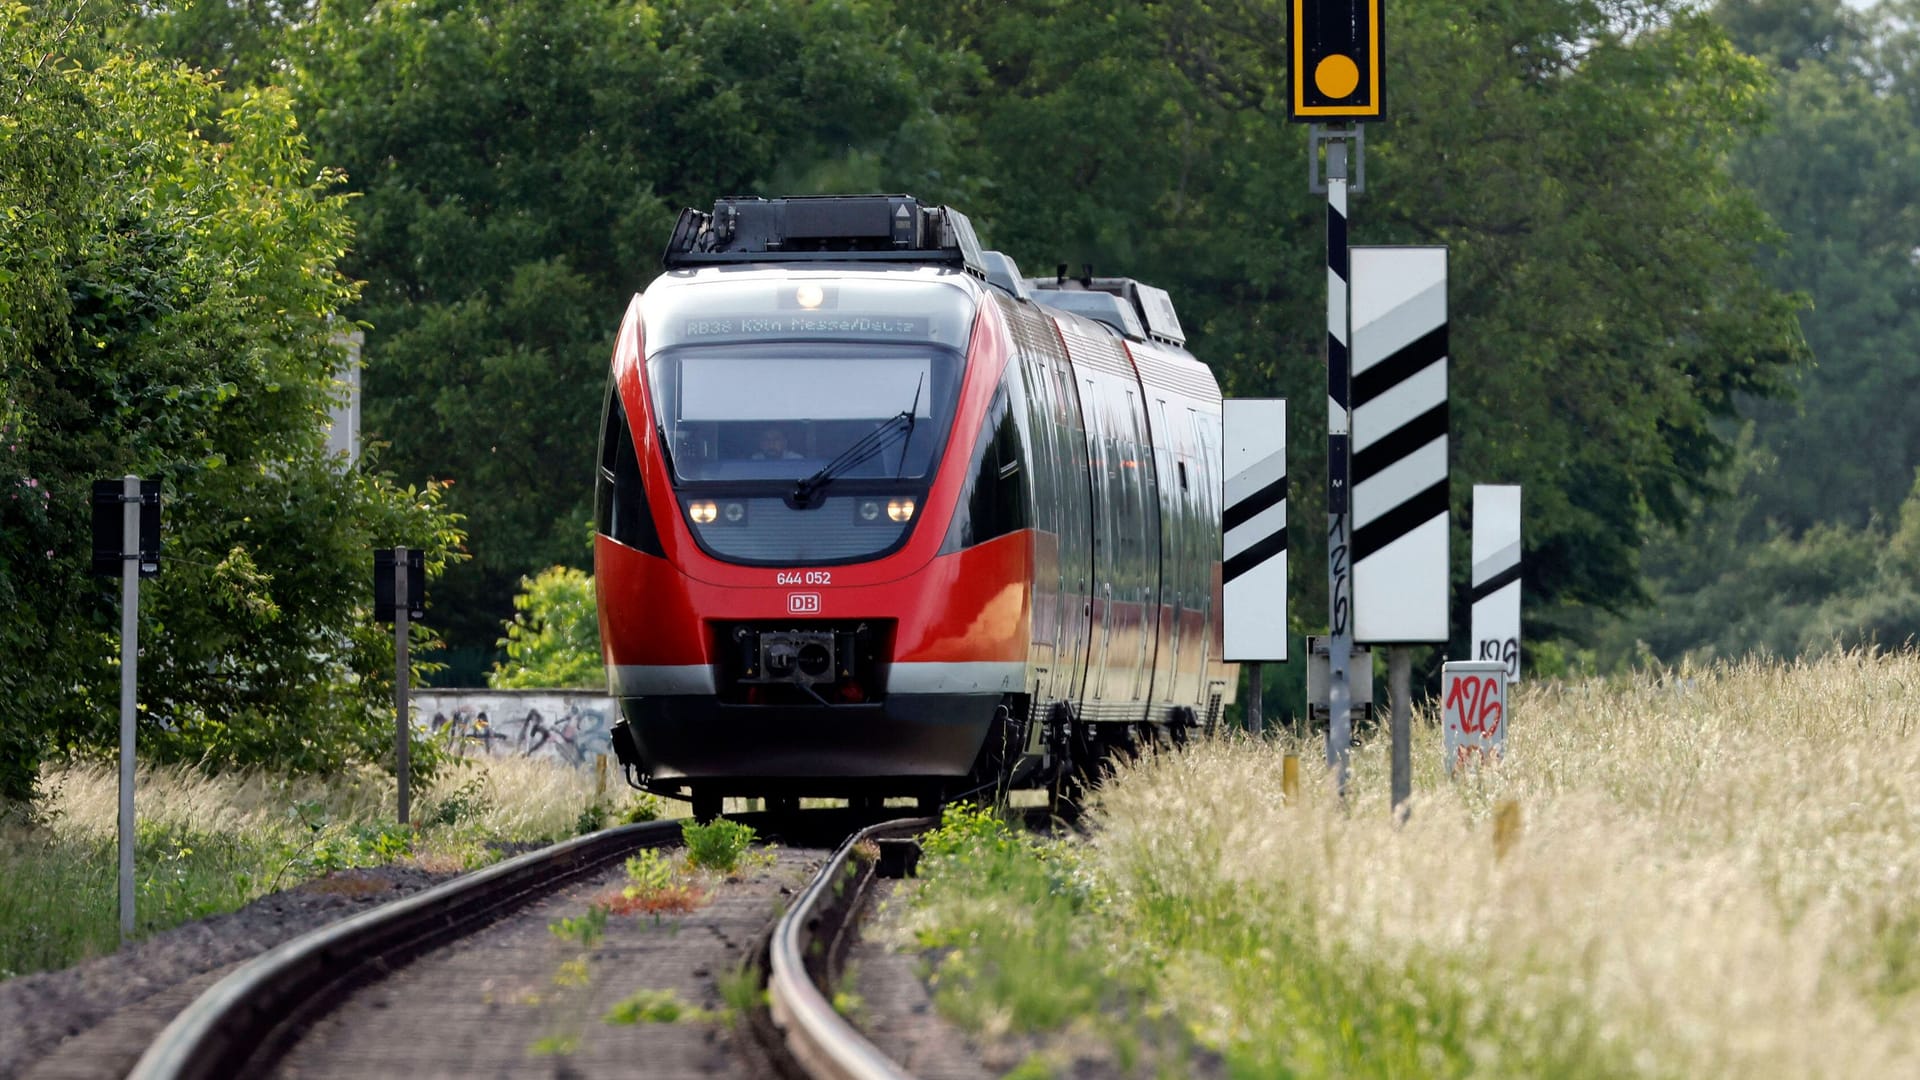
{"points": [[869, 510], [900, 510], [809, 296], [734, 512], [703, 512]]}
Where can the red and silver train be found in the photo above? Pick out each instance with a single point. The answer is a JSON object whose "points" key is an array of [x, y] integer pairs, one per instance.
{"points": [[876, 517]]}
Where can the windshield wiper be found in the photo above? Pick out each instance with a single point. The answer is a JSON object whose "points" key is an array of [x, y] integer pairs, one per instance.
{"points": [[898, 427], [913, 410], [893, 428]]}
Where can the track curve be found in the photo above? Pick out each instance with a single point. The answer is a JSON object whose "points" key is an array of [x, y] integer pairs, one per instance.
{"points": [[818, 1038], [250, 1013]]}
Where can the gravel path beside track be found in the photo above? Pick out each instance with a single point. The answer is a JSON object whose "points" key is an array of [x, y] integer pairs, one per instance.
{"points": [[898, 1014]]}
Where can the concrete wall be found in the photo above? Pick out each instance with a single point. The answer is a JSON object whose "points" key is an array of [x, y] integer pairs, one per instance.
{"points": [[564, 725]]}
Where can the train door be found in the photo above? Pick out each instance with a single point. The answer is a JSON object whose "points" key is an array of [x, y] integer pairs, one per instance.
{"points": [[1103, 465], [1045, 512], [1176, 553], [1142, 550], [1076, 530]]}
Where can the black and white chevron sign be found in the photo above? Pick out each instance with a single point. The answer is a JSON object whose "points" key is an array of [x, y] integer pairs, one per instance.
{"points": [[1399, 396], [1496, 575], [1253, 571]]}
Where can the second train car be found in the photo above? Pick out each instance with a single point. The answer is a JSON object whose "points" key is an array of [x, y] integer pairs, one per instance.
{"points": [[877, 517]]}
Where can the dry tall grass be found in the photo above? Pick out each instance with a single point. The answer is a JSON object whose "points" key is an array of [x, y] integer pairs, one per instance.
{"points": [[1720, 867], [209, 844], [509, 798]]}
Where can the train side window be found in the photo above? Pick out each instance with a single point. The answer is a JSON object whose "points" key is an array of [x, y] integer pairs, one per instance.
{"points": [[620, 506], [994, 501]]}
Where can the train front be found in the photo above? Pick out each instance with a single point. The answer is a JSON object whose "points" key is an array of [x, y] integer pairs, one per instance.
{"points": [[783, 610]]}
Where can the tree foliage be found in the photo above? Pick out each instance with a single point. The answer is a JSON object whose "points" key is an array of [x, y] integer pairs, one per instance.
{"points": [[169, 298], [1618, 294], [553, 639], [1839, 170], [519, 164], [1606, 303], [1805, 552]]}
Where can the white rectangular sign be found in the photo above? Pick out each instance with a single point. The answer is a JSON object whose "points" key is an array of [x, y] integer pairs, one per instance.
{"points": [[1473, 712], [1253, 571], [1496, 575], [1399, 398]]}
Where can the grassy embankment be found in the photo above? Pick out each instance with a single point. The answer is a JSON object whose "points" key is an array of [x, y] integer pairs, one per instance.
{"points": [[211, 844], [1717, 873]]}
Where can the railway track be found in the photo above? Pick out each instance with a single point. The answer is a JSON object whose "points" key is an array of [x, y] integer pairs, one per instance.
{"points": [[444, 982]]}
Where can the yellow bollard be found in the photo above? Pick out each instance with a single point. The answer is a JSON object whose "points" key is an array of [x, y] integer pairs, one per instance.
{"points": [[1506, 827], [1290, 778]]}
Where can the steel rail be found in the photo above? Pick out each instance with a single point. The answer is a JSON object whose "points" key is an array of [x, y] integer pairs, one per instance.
{"points": [[820, 1040], [255, 1007]]}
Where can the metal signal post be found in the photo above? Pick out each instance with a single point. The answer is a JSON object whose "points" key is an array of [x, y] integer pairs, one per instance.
{"points": [[399, 594], [126, 544], [1339, 439]]}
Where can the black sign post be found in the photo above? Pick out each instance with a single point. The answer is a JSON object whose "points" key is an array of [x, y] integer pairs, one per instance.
{"points": [[399, 573], [126, 529], [1336, 50]]}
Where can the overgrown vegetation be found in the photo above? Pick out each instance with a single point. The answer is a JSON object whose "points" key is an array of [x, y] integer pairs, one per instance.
{"points": [[553, 639], [208, 845], [717, 845], [1714, 874], [170, 305]]}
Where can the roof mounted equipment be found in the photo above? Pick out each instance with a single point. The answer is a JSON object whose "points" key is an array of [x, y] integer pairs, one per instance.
{"points": [[825, 228], [1138, 310]]}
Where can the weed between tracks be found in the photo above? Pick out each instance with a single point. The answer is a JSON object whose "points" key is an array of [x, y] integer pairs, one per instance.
{"points": [[1716, 873], [657, 884]]}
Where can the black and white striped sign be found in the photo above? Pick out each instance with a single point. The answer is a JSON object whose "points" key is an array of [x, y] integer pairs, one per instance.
{"points": [[1254, 530], [1496, 575], [1399, 398]]}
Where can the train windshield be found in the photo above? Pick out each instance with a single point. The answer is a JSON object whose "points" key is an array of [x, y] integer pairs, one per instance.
{"points": [[792, 411], [802, 378]]}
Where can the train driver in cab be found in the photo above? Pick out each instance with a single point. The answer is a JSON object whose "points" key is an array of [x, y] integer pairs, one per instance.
{"points": [[773, 445]]}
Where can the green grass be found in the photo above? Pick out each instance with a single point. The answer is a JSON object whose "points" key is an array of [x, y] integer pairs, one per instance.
{"points": [[1034, 937], [61, 901], [208, 845]]}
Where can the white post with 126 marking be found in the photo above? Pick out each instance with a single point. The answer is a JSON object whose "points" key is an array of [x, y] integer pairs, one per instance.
{"points": [[1473, 712]]}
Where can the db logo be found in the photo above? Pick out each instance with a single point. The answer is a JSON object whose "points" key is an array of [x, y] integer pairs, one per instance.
{"points": [[803, 603]]}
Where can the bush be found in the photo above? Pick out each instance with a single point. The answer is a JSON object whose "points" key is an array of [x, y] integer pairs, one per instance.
{"points": [[717, 846], [553, 639]]}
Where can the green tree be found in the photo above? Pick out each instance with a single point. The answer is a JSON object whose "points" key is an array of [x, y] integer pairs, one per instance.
{"points": [[170, 300], [1839, 170], [240, 41], [553, 639], [519, 165], [1607, 308]]}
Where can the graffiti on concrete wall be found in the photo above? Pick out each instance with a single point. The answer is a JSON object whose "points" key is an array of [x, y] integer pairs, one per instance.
{"points": [[569, 727]]}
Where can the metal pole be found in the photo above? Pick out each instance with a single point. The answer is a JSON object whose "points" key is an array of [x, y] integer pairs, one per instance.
{"points": [[1399, 689], [401, 669], [1256, 724], [129, 664], [1339, 525]]}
